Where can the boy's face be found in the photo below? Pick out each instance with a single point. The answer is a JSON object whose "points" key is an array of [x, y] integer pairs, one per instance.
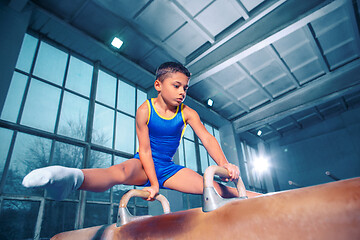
{"points": [[173, 88]]}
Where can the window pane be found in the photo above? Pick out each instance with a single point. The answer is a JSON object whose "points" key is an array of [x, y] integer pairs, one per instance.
{"points": [[99, 160], [125, 133], [119, 190], [18, 219], [209, 128], [211, 161], [103, 126], [73, 116], [181, 154], [190, 155], [5, 140], [29, 153], [79, 76], [14, 97], [41, 106], [96, 214], [126, 98], [68, 156], [195, 201], [203, 158], [27, 53], [50, 64], [217, 135], [141, 98], [58, 217], [189, 133], [106, 88]]}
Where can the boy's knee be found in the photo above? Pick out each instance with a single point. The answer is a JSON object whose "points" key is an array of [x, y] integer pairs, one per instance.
{"points": [[119, 172]]}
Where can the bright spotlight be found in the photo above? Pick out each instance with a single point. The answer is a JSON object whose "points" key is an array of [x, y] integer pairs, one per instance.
{"points": [[261, 164], [259, 133], [116, 42], [210, 102]]}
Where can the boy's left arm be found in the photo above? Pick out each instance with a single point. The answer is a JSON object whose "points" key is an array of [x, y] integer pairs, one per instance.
{"points": [[210, 143]]}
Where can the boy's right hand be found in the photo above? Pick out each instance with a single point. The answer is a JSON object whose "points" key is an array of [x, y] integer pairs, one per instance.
{"points": [[153, 190]]}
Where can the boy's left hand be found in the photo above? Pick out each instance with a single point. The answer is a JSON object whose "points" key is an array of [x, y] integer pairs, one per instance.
{"points": [[233, 171]]}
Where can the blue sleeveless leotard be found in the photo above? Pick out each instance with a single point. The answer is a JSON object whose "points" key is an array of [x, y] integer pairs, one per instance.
{"points": [[165, 135]]}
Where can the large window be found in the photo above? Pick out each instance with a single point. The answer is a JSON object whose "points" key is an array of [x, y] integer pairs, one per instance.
{"points": [[62, 109], [53, 115]]}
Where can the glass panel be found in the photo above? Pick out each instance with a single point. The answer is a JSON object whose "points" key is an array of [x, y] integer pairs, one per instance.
{"points": [[99, 160], [14, 97], [29, 153], [50, 64], [181, 154], [141, 211], [79, 76], [211, 161], [106, 88], [41, 106], [217, 135], [27, 53], [189, 133], [119, 190], [68, 156], [5, 140], [103, 126], [141, 98], [125, 133], [18, 219], [203, 158], [73, 116], [126, 98], [209, 128], [190, 155], [195, 201], [58, 217], [96, 214]]}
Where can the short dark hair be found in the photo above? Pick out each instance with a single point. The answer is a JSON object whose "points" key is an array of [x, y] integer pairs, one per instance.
{"points": [[171, 67]]}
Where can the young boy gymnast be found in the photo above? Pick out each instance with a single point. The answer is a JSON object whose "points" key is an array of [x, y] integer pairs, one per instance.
{"points": [[160, 123]]}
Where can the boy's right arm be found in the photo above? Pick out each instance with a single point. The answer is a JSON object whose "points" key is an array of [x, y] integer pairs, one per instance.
{"points": [[142, 132]]}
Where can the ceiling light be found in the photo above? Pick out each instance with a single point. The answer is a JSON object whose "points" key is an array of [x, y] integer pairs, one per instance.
{"points": [[116, 42], [261, 164], [259, 133], [210, 102]]}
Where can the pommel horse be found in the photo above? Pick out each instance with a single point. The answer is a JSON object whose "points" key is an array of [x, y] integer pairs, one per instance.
{"points": [[327, 211]]}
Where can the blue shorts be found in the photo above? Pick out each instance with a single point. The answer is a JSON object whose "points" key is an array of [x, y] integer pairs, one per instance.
{"points": [[164, 170]]}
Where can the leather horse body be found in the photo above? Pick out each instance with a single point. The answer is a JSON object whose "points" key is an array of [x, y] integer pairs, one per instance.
{"points": [[327, 211]]}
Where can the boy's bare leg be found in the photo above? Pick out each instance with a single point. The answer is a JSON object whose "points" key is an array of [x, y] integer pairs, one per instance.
{"points": [[189, 181], [129, 172], [59, 181]]}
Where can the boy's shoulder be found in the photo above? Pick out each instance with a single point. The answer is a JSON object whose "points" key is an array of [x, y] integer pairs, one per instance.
{"points": [[188, 111]]}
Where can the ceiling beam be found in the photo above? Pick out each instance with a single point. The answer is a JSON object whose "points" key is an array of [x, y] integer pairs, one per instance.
{"points": [[214, 65], [331, 86], [241, 9], [253, 80], [187, 16], [237, 31], [231, 96], [315, 46], [146, 35], [318, 113], [91, 39], [18, 5]]}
